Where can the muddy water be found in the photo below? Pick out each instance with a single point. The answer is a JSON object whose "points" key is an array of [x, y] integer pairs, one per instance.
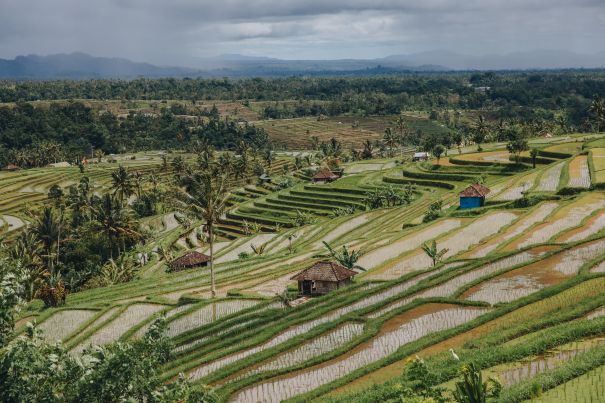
{"points": [[536, 365], [320, 345], [529, 279], [395, 333]]}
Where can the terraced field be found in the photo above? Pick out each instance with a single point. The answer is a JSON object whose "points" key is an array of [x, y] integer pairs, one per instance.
{"points": [[350, 131], [516, 287]]}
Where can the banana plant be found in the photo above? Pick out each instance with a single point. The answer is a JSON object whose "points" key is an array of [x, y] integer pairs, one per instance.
{"points": [[347, 258], [433, 252]]}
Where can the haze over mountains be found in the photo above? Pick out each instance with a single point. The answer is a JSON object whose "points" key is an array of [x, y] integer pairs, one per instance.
{"points": [[83, 66]]}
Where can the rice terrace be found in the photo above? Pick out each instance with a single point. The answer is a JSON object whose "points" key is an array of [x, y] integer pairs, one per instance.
{"points": [[334, 287]]}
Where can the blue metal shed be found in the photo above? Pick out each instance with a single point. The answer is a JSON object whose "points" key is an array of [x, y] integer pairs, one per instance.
{"points": [[473, 196]]}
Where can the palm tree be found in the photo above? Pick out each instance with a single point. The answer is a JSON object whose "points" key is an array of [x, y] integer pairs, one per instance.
{"points": [[204, 196], [481, 130], [438, 151], [268, 157], [47, 231], [154, 180], [226, 162], [345, 257], [433, 252], [533, 153], [116, 223], [401, 126], [178, 165], [27, 250], [99, 155], [389, 140], [368, 150], [314, 140], [122, 183], [597, 108], [137, 181]]}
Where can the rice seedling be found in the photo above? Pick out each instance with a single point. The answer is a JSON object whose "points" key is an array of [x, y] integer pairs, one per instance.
{"points": [[451, 286], [550, 179], [345, 228], [597, 313], [516, 192], [466, 237], [207, 314], [530, 279], [63, 323], [115, 329], [245, 247], [409, 242], [515, 372], [572, 217], [143, 329], [379, 347], [536, 216], [588, 230], [314, 348], [302, 328], [579, 174], [587, 388]]}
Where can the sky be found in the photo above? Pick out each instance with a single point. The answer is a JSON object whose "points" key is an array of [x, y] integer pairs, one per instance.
{"points": [[184, 32]]}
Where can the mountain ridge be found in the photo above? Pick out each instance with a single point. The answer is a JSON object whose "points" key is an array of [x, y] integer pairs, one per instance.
{"points": [[79, 65]]}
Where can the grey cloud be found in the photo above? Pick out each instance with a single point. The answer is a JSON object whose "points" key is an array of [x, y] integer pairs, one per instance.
{"points": [[184, 31]]}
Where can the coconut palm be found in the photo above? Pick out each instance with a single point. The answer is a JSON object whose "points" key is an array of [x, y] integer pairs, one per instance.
{"points": [[178, 165], [47, 229], [27, 250], [401, 127], [205, 197], [389, 140], [368, 150], [116, 223], [597, 108], [481, 131], [433, 252], [122, 183]]}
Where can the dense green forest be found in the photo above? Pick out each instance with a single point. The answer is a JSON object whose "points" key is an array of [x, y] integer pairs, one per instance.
{"points": [[31, 136], [73, 129], [371, 95]]}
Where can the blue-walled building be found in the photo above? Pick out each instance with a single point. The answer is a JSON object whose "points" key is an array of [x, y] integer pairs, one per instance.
{"points": [[473, 196]]}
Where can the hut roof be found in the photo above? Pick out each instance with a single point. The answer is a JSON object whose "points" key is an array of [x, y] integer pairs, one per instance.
{"points": [[190, 259], [325, 271], [11, 167], [62, 164], [475, 190], [325, 173]]}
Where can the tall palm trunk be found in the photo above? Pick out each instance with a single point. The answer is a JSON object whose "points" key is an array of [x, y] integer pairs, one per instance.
{"points": [[211, 240]]}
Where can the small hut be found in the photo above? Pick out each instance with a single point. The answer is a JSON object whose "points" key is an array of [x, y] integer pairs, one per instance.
{"points": [[473, 196], [323, 277], [264, 178], [324, 176], [11, 168], [421, 156], [190, 260], [62, 164]]}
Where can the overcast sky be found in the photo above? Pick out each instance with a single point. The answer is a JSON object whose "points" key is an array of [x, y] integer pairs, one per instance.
{"points": [[180, 32]]}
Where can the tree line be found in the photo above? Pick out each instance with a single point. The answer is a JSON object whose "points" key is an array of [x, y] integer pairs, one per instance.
{"points": [[35, 136], [509, 94]]}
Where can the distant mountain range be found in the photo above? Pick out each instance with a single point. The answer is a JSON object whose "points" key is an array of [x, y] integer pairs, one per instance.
{"points": [[83, 66]]}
